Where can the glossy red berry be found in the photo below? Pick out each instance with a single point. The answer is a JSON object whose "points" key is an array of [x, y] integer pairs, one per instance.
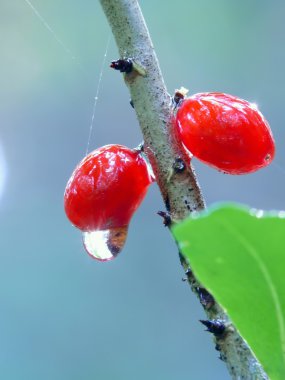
{"points": [[106, 188], [225, 132], [104, 191]]}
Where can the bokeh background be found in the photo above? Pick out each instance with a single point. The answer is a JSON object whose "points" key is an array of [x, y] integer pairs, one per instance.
{"points": [[63, 315]]}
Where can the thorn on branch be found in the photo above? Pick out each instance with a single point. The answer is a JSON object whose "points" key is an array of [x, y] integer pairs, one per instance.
{"points": [[128, 65], [206, 299], [214, 326], [178, 165], [166, 218], [124, 65], [132, 103], [189, 273], [217, 347]]}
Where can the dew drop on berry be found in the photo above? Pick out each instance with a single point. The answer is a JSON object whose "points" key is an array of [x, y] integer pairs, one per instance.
{"points": [[105, 245]]}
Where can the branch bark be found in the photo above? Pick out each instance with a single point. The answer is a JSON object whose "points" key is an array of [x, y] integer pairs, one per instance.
{"points": [[180, 189]]}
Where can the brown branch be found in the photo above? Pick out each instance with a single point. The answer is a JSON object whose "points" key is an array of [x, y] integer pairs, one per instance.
{"points": [[179, 188]]}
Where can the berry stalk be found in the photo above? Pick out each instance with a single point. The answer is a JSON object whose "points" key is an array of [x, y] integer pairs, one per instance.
{"points": [[179, 188]]}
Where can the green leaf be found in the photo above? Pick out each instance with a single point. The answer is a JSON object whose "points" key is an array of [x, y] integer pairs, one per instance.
{"points": [[238, 254]]}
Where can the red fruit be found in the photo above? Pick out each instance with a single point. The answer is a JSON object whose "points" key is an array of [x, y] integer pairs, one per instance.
{"points": [[106, 188], [225, 132]]}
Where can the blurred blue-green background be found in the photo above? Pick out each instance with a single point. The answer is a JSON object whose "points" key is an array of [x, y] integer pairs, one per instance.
{"points": [[63, 315]]}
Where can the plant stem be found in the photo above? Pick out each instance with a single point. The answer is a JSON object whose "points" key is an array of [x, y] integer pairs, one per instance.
{"points": [[180, 189]]}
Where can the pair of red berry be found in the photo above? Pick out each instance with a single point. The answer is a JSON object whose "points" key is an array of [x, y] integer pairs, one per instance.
{"points": [[108, 186]]}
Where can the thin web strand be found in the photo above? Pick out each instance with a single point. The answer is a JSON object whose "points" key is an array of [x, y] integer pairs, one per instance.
{"points": [[68, 51], [97, 94], [47, 26]]}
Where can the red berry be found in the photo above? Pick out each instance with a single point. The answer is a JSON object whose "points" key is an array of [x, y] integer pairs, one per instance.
{"points": [[106, 188], [225, 132]]}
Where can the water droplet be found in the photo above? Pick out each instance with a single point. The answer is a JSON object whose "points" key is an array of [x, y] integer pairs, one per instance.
{"points": [[259, 213], [105, 245], [256, 212]]}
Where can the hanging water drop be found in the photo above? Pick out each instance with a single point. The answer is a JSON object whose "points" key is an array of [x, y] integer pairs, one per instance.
{"points": [[105, 245]]}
